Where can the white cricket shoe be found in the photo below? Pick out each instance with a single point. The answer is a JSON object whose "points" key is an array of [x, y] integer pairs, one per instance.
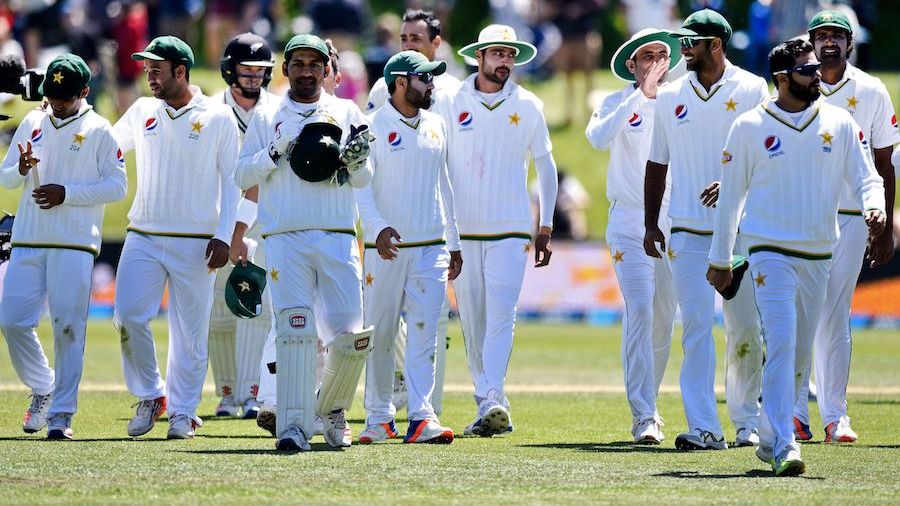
{"points": [[182, 426], [789, 463], [699, 439], [648, 432], [250, 409], [293, 440], [318, 426], [228, 406], [494, 416], [148, 411], [265, 419], [746, 437], [60, 426], [378, 432], [428, 431], [400, 395], [36, 415], [336, 431], [839, 431], [765, 454]]}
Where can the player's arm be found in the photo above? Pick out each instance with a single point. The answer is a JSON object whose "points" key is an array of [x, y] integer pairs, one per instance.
{"points": [[226, 159], [254, 161], [866, 183], [654, 189], [884, 136], [113, 183], [373, 221], [360, 174], [19, 159], [451, 231], [548, 186], [245, 217], [124, 129], [611, 116]]}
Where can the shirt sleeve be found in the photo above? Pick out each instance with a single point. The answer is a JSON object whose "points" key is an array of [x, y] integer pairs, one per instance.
{"points": [[226, 160], [451, 230], [861, 176], [254, 163], [123, 130], [362, 176], [378, 95], [113, 183], [611, 116], [737, 169], [372, 221], [541, 144], [548, 187], [763, 94], [884, 129], [9, 170], [659, 145]]}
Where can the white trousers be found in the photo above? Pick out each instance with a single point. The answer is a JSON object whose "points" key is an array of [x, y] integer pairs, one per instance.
{"points": [[650, 302], [743, 367], [789, 296], [414, 281], [487, 291], [833, 342], [146, 265], [63, 278]]}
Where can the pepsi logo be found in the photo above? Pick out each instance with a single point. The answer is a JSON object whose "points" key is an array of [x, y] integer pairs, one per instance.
{"points": [[635, 120], [894, 121], [394, 139], [119, 156], [465, 118], [298, 321], [772, 144], [681, 111], [862, 139], [150, 124], [36, 135]]}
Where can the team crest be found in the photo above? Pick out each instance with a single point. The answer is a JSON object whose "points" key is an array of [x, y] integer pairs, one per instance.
{"points": [[635, 120], [36, 135], [464, 119], [394, 139], [681, 111]]}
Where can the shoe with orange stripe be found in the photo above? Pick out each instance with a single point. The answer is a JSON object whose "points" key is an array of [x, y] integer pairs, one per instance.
{"points": [[378, 432], [801, 430], [148, 412], [428, 431], [840, 431]]}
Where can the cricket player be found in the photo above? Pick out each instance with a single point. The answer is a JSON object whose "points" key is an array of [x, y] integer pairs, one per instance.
{"points": [[410, 225], [785, 165], [182, 221], [623, 124], [866, 99], [236, 344], [308, 213], [420, 31], [496, 125], [692, 119], [70, 166]]}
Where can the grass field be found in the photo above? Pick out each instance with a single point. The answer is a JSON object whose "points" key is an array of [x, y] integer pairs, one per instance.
{"points": [[571, 443]]}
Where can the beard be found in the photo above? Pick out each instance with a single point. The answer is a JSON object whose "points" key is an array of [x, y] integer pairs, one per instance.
{"points": [[809, 93], [418, 99], [495, 76], [305, 88], [250, 92]]}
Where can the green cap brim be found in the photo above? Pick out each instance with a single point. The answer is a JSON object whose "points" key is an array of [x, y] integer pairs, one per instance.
{"points": [[526, 52], [830, 24], [625, 51], [683, 32], [146, 55]]}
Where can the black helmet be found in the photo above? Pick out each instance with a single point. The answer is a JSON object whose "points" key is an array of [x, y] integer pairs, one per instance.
{"points": [[316, 154], [246, 49]]}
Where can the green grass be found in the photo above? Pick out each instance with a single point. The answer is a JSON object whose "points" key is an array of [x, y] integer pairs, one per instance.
{"points": [[569, 446]]}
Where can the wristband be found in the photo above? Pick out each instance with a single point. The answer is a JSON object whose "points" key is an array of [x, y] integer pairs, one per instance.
{"points": [[246, 212]]}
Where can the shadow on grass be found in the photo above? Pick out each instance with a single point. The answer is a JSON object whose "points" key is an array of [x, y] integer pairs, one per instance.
{"points": [[876, 402], [316, 447], [753, 473], [233, 436], [612, 447], [81, 440]]}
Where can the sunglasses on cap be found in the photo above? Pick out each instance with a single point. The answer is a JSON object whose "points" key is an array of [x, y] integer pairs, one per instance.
{"points": [[689, 42], [807, 70], [425, 77]]}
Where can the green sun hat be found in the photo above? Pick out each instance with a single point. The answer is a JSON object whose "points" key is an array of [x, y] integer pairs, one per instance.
{"points": [[243, 290], [167, 47], [306, 41], [504, 36], [66, 76], [406, 62], [637, 41], [705, 23], [830, 18]]}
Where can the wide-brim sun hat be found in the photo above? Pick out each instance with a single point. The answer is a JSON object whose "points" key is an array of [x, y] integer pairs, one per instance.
{"points": [[639, 40], [503, 36]]}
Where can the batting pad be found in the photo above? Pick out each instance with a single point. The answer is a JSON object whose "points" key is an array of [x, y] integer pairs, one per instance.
{"points": [[295, 351], [343, 367], [250, 339], [222, 346]]}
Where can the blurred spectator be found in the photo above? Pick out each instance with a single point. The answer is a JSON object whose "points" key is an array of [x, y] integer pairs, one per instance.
{"points": [[354, 82], [40, 25], [130, 31], [759, 29], [569, 215], [87, 25], [790, 18], [180, 18], [333, 79], [387, 32], [640, 14], [716, 5], [8, 45], [342, 21], [220, 25]]}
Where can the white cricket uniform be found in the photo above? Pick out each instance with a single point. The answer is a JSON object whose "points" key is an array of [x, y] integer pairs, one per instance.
{"points": [[623, 124], [410, 191], [781, 181], [689, 131], [866, 99], [236, 344], [54, 249], [445, 86], [488, 150], [185, 196]]}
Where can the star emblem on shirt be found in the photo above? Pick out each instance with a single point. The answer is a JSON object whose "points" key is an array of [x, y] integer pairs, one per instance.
{"points": [[369, 279], [274, 274], [433, 134], [852, 103], [58, 78], [79, 139], [514, 119], [826, 137], [527, 247], [760, 279], [731, 105], [671, 254], [244, 286], [617, 256], [196, 127]]}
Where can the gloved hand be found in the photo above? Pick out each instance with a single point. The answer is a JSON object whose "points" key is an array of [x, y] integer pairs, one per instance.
{"points": [[285, 136], [355, 153]]}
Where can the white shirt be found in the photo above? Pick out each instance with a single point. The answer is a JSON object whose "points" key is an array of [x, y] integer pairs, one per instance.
{"points": [[689, 132], [410, 189], [241, 115], [185, 167], [78, 153], [780, 183], [445, 85], [286, 202]]}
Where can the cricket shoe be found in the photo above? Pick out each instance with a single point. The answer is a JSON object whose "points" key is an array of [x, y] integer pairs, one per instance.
{"points": [[494, 415], [840, 431], [265, 419], [400, 395], [60, 426], [293, 440], [428, 431], [182, 426], [228, 407], [336, 431], [801, 430], [699, 439], [789, 463], [648, 432], [318, 426], [36, 415], [474, 429], [378, 432], [148, 412], [746, 437], [765, 454], [250, 409]]}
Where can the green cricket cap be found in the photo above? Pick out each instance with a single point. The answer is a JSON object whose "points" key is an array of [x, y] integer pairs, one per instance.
{"points": [[705, 23], [66, 76], [169, 48], [243, 290], [407, 62], [834, 19], [306, 41]]}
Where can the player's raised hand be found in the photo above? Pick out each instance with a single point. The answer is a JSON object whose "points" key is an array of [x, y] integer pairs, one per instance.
{"points": [[456, 262], [710, 194], [26, 158], [216, 254], [49, 196], [651, 237], [650, 84], [542, 251], [387, 248]]}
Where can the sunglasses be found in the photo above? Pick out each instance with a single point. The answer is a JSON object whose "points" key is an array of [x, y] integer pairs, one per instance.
{"points": [[807, 70], [689, 42], [425, 77]]}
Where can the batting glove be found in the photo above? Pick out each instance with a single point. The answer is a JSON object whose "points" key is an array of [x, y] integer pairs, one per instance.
{"points": [[355, 153], [285, 136]]}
